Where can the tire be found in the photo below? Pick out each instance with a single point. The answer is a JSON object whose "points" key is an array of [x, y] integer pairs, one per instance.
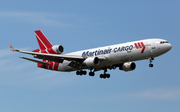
{"points": [[151, 65]]}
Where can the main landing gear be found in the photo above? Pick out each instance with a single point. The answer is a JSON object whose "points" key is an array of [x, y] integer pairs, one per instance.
{"points": [[105, 75], [151, 65], [81, 72], [91, 73]]}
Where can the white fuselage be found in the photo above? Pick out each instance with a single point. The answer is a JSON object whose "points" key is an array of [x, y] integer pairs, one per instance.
{"points": [[121, 53]]}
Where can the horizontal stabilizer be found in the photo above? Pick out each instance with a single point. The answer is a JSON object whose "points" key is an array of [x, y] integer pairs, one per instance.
{"points": [[36, 61]]}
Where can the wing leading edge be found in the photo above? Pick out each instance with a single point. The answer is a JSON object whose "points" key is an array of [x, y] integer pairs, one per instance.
{"points": [[50, 57]]}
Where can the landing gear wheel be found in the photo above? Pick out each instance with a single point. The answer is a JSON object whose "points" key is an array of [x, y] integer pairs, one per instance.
{"points": [[84, 72], [81, 72], [91, 73], [105, 76], [151, 65], [108, 75], [101, 76], [77, 73]]}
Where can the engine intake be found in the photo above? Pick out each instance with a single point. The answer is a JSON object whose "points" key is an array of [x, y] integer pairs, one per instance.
{"points": [[129, 66], [58, 49], [91, 61]]}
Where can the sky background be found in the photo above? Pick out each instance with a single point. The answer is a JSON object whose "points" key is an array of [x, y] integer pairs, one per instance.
{"points": [[84, 24]]}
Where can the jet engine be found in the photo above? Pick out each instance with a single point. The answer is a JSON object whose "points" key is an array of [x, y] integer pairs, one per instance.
{"points": [[128, 66], [58, 49], [91, 61]]}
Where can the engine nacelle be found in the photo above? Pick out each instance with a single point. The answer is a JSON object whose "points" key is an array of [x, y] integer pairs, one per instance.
{"points": [[129, 66], [58, 49], [91, 61]]}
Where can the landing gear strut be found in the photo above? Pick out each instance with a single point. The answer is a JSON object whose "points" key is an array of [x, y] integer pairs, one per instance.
{"points": [[91, 73], [151, 65], [105, 75]]}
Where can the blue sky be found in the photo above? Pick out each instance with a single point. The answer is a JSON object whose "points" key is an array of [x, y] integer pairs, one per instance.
{"points": [[79, 25]]}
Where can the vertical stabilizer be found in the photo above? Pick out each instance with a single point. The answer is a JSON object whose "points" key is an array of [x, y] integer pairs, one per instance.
{"points": [[42, 40]]}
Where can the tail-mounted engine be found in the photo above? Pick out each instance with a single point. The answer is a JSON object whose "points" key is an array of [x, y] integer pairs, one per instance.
{"points": [[91, 61], [129, 66], [57, 49]]}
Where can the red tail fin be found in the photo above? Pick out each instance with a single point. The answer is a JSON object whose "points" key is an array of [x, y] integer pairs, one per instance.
{"points": [[42, 40]]}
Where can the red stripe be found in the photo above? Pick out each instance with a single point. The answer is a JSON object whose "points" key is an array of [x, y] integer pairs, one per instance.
{"points": [[43, 40], [43, 51], [51, 51], [40, 44], [46, 66], [143, 47], [50, 65], [139, 45], [142, 44], [143, 50], [136, 45], [39, 65], [37, 50], [56, 65]]}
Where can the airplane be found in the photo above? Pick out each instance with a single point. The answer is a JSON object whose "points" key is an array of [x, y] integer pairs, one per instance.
{"points": [[96, 59]]}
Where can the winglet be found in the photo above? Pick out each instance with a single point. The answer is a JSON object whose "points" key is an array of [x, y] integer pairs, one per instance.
{"points": [[11, 47]]}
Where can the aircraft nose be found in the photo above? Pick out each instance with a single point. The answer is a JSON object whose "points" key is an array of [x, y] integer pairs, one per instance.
{"points": [[169, 47]]}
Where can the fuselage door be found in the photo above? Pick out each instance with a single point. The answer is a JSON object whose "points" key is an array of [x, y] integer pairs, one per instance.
{"points": [[154, 48]]}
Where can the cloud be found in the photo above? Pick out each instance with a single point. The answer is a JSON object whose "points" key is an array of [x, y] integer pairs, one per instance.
{"points": [[47, 19], [150, 94], [5, 52], [159, 93]]}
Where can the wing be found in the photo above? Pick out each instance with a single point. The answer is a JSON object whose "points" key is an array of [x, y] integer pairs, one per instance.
{"points": [[50, 57], [36, 61], [74, 60], [53, 57]]}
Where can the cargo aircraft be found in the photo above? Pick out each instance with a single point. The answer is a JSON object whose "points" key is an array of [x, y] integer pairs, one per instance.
{"points": [[102, 58]]}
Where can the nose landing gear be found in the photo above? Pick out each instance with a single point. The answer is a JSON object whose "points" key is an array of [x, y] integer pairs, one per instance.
{"points": [[151, 65]]}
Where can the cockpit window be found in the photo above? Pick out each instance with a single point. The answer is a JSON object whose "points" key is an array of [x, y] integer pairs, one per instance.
{"points": [[162, 42]]}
